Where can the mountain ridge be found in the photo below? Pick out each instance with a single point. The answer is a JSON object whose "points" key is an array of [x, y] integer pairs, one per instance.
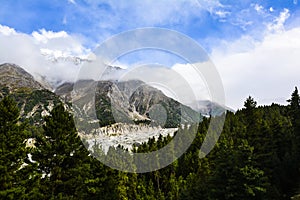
{"points": [[133, 100], [14, 76], [130, 101]]}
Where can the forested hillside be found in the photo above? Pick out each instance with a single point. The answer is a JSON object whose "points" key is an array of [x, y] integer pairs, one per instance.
{"points": [[256, 157]]}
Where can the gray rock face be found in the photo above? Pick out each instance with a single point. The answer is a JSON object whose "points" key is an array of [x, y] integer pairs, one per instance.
{"points": [[131, 102], [14, 77], [33, 99], [128, 112], [125, 135]]}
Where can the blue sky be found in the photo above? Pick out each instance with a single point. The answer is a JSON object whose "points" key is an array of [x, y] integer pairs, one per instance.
{"points": [[240, 36], [204, 21]]}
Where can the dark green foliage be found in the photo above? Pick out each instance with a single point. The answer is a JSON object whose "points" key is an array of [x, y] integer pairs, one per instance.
{"points": [[62, 158], [4, 91], [294, 103], [29, 100], [294, 113], [257, 157], [103, 111], [12, 151]]}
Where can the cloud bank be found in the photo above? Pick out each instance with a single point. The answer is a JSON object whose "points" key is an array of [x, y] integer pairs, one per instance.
{"points": [[265, 64], [37, 52], [268, 70]]}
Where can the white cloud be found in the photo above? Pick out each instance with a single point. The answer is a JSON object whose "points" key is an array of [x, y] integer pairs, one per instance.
{"points": [[258, 8], [215, 8], [210, 5], [44, 36], [114, 15], [278, 23], [5, 30], [158, 13], [72, 1], [222, 14], [181, 82], [59, 42], [27, 51], [194, 80], [268, 70]]}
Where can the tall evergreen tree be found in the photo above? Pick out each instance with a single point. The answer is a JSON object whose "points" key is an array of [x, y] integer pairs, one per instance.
{"points": [[294, 110], [250, 114], [63, 159], [236, 176], [12, 151], [294, 113], [295, 102]]}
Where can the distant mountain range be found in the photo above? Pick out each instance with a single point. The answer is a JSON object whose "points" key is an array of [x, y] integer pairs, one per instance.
{"points": [[34, 100], [132, 101], [125, 102], [15, 77], [59, 56], [209, 108], [127, 112]]}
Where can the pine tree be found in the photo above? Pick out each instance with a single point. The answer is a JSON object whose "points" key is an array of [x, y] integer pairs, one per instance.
{"points": [[295, 102], [250, 114], [63, 159], [294, 109], [235, 176], [294, 113], [12, 151]]}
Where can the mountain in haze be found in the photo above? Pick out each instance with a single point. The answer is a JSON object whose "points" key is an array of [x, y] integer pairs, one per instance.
{"points": [[129, 111], [130, 101], [110, 73], [59, 56], [209, 108], [34, 100], [125, 102], [15, 77]]}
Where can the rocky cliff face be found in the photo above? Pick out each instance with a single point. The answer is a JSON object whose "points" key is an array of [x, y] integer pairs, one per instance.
{"points": [[33, 99], [127, 113], [130, 102], [125, 135], [14, 77]]}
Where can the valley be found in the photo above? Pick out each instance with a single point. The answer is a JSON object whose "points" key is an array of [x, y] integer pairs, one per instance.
{"points": [[126, 113]]}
